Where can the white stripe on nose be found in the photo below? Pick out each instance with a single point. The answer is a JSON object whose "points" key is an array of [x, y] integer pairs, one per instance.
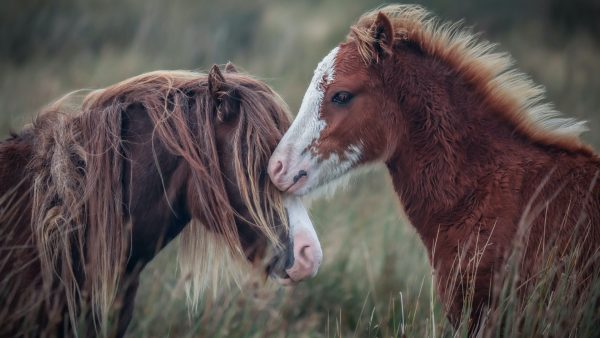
{"points": [[307, 249], [306, 128]]}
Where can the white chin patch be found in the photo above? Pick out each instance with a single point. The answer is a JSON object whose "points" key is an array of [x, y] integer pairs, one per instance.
{"points": [[332, 173], [328, 190]]}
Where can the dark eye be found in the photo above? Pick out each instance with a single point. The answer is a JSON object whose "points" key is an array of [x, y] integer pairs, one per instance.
{"points": [[341, 98]]}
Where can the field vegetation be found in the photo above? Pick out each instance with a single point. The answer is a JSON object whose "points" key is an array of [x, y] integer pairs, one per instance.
{"points": [[375, 280]]}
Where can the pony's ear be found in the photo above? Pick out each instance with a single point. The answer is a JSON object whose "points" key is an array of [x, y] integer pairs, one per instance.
{"points": [[382, 32], [216, 82], [227, 99], [230, 68]]}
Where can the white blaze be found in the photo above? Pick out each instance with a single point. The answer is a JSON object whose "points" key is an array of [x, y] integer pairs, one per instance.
{"points": [[307, 249], [307, 128], [308, 125], [298, 218]]}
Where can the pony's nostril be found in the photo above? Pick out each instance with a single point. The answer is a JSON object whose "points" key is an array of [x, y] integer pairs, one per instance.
{"points": [[276, 169], [306, 256], [279, 167]]}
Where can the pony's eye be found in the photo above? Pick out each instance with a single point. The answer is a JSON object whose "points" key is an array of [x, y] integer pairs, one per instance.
{"points": [[341, 98]]}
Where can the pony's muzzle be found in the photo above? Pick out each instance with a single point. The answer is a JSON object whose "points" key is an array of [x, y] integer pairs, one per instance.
{"points": [[285, 177], [307, 256], [306, 249]]}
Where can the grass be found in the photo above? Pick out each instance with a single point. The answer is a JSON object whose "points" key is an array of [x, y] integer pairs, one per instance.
{"points": [[375, 268], [375, 280]]}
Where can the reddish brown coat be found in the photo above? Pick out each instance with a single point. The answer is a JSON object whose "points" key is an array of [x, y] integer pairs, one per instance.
{"points": [[473, 162]]}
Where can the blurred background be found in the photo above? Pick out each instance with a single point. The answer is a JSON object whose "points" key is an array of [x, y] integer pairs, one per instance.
{"points": [[375, 280]]}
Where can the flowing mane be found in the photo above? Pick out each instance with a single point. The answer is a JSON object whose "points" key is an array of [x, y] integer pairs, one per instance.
{"points": [[77, 170], [513, 93]]}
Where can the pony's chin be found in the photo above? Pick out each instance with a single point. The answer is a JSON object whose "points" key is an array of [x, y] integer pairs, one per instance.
{"points": [[282, 278], [327, 187], [286, 281]]}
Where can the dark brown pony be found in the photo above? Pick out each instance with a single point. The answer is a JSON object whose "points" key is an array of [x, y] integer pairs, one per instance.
{"points": [[481, 165], [90, 196]]}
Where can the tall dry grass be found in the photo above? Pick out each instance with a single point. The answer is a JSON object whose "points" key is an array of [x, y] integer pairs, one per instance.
{"points": [[375, 280]]}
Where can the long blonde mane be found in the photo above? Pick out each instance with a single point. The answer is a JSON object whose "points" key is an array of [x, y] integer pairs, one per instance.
{"points": [[521, 100], [77, 172]]}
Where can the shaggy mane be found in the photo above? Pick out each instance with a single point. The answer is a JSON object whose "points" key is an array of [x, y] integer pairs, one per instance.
{"points": [[522, 101], [78, 193]]}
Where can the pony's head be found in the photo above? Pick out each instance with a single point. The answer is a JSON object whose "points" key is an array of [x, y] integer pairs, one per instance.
{"points": [[342, 120], [250, 120], [163, 154]]}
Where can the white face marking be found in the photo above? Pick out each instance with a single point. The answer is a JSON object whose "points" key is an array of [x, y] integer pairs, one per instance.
{"points": [[307, 249], [298, 217], [308, 126]]}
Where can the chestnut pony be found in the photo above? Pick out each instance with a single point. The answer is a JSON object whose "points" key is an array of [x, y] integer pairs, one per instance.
{"points": [[89, 198], [474, 154]]}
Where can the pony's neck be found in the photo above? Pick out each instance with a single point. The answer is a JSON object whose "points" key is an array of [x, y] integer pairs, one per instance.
{"points": [[155, 187], [451, 145]]}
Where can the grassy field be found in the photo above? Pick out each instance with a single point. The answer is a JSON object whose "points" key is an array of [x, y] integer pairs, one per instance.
{"points": [[374, 265], [375, 280]]}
